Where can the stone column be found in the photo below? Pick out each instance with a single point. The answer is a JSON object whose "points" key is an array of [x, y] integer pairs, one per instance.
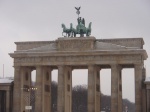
{"points": [[148, 100], [17, 90], [39, 92], [93, 89], [138, 87], [47, 89], [116, 88], [143, 90], [98, 92], [23, 97], [25, 87], [120, 108], [7, 101], [68, 89], [60, 92]]}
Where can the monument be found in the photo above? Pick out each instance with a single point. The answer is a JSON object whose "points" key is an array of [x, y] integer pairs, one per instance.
{"points": [[66, 54]]}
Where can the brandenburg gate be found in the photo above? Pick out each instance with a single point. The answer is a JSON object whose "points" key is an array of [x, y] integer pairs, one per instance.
{"points": [[66, 54]]}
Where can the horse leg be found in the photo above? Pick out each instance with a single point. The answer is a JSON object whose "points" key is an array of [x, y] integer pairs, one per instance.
{"points": [[81, 35], [63, 34], [74, 34], [87, 34]]}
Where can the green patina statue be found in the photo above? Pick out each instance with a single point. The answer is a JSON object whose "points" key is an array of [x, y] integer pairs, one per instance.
{"points": [[66, 30], [80, 28]]}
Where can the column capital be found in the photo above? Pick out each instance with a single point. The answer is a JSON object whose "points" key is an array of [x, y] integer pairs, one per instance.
{"points": [[61, 66], [140, 65], [98, 67], [91, 65], [116, 66], [48, 68], [69, 67], [39, 66]]}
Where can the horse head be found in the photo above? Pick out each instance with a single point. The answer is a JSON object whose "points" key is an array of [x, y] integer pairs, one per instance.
{"points": [[71, 26], [63, 25], [89, 27], [88, 30]]}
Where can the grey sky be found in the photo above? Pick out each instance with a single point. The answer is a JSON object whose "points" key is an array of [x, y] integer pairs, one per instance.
{"points": [[36, 20]]}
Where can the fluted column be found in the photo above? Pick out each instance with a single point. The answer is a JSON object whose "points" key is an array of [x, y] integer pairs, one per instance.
{"points": [[138, 87], [143, 90], [116, 89], [93, 89], [120, 108], [98, 92], [68, 89], [39, 92], [17, 90], [25, 84], [60, 97], [47, 89]]}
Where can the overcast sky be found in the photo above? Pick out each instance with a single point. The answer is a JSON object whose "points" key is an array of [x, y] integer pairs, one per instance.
{"points": [[40, 20]]}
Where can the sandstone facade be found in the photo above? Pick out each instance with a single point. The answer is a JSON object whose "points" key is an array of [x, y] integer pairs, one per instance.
{"points": [[66, 54]]}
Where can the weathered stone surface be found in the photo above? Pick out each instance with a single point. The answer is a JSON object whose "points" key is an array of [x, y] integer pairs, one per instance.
{"points": [[128, 42], [88, 52], [30, 45], [73, 44]]}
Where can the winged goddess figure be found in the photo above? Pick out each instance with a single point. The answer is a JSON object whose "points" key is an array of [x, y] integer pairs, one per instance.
{"points": [[78, 10]]}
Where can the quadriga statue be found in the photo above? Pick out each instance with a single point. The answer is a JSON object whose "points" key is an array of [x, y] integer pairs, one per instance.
{"points": [[80, 28]]}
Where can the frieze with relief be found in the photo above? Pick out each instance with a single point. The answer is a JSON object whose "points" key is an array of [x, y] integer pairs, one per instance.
{"points": [[78, 58], [16, 60]]}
